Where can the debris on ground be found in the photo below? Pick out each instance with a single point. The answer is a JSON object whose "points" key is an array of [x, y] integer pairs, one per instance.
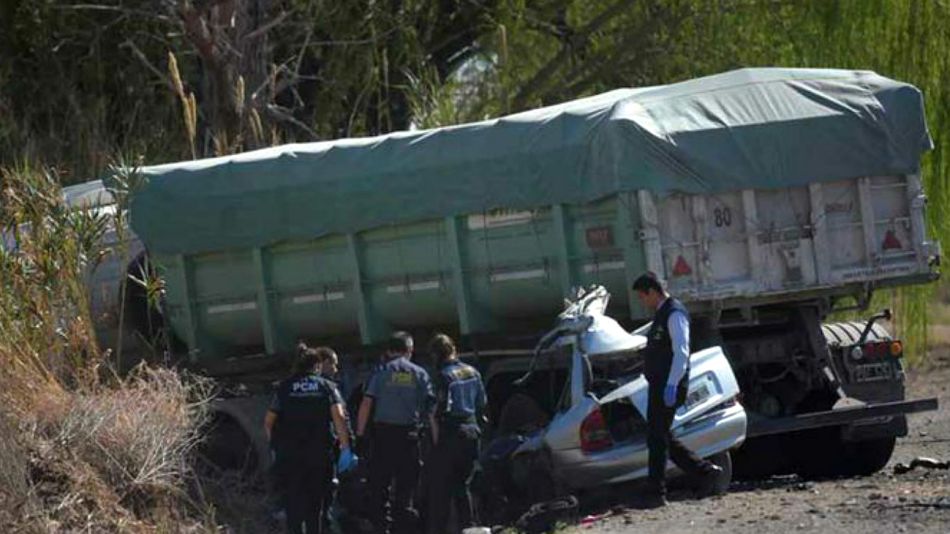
{"points": [[593, 518], [801, 486], [544, 516], [927, 463]]}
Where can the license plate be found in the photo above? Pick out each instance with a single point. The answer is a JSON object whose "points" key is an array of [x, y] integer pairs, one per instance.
{"points": [[697, 395], [871, 372]]}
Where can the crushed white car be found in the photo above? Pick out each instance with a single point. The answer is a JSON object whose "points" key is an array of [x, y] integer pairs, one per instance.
{"points": [[598, 434]]}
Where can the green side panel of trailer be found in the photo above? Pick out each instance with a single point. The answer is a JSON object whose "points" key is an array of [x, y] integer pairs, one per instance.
{"points": [[478, 272]]}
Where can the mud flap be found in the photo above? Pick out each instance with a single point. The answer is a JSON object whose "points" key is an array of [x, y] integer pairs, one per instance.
{"points": [[894, 426]]}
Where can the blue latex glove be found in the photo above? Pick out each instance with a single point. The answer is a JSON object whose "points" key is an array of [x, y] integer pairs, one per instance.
{"points": [[669, 395], [347, 461]]}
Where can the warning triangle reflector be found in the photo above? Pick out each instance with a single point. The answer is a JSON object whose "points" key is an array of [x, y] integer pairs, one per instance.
{"points": [[891, 242], [681, 268]]}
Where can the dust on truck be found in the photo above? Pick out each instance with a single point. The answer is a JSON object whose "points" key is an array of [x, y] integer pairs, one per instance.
{"points": [[766, 198]]}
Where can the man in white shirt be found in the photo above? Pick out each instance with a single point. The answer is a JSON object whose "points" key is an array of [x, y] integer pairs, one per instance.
{"points": [[666, 369]]}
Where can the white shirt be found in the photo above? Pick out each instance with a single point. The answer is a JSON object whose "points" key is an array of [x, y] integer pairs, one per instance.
{"points": [[678, 326]]}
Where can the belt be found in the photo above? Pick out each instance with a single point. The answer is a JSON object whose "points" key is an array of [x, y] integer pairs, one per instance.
{"points": [[457, 421], [392, 426]]}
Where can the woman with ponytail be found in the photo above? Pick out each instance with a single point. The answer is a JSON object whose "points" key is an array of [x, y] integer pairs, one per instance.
{"points": [[298, 425]]}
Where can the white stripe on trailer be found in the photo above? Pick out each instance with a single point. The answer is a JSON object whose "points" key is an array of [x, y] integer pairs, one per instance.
{"points": [[605, 266], [415, 286], [499, 218], [319, 297], [518, 275], [231, 308]]}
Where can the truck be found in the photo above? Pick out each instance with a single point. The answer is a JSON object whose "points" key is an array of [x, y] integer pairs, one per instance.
{"points": [[766, 199]]}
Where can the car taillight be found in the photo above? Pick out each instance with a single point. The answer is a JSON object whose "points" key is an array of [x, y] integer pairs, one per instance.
{"points": [[594, 433]]}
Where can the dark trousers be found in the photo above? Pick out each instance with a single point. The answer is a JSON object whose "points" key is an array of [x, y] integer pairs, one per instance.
{"points": [[305, 488], [450, 471], [663, 445], [395, 462]]}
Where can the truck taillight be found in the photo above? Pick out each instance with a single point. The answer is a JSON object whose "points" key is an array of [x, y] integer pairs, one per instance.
{"points": [[594, 433], [878, 349], [897, 349]]}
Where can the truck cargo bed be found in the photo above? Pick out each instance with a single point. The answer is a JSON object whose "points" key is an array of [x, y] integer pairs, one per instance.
{"points": [[485, 272]]}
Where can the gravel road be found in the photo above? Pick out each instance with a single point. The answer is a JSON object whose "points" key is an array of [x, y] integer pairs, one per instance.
{"points": [[917, 502]]}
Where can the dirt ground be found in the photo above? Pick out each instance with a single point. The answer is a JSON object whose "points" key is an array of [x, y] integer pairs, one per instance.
{"points": [[917, 502]]}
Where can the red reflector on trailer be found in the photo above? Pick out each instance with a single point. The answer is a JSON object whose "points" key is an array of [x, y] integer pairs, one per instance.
{"points": [[891, 242], [681, 268], [897, 348]]}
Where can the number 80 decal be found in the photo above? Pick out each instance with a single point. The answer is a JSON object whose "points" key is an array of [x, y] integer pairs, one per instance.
{"points": [[722, 217]]}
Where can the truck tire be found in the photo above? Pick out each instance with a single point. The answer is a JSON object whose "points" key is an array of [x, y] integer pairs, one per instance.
{"points": [[822, 453], [847, 333], [763, 457], [819, 453], [864, 458]]}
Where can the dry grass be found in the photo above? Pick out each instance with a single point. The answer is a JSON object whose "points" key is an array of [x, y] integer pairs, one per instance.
{"points": [[110, 458], [83, 450], [939, 328]]}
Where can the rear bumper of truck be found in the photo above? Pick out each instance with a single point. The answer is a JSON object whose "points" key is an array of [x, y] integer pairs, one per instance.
{"points": [[868, 415]]}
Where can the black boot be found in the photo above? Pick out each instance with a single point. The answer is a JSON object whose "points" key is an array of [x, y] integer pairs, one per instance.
{"points": [[654, 500]]}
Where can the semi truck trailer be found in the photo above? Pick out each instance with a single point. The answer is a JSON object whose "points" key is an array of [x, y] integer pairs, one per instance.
{"points": [[766, 199]]}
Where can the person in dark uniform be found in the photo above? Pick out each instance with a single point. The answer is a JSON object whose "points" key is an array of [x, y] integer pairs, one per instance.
{"points": [[298, 425], [460, 405], [399, 396], [666, 370], [330, 370]]}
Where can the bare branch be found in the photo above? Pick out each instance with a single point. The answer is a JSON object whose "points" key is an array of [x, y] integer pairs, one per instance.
{"points": [[279, 114], [268, 26], [148, 64], [552, 66], [113, 9]]}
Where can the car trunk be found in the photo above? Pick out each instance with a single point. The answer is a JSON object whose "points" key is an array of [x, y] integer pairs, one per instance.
{"points": [[609, 372]]}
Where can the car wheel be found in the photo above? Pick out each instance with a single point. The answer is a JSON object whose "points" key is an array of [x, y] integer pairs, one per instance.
{"points": [[719, 484]]}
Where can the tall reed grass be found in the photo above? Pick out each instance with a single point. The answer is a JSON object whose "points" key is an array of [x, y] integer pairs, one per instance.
{"points": [[83, 448]]}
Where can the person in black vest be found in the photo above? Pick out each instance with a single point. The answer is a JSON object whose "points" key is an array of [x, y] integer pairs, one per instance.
{"points": [[399, 398], [298, 425], [460, 406], [666, 370]]}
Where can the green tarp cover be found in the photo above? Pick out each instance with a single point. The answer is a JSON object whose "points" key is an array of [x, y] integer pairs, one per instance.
{"points": [[750, 128]]}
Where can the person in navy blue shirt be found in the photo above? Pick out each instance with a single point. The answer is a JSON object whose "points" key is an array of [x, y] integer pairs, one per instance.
{"points": [[399, 396], [460, 406], [666, 369], [297, 424]]}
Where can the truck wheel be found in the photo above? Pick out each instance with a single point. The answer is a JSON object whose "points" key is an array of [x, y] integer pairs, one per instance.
{"points": [[868, 457], [845, 334], [819, 453], [823, 454], [762, 457]]}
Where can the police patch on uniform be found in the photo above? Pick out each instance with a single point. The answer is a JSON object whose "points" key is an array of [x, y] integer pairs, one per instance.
{"points": [[402, 379], [463, 372], [306, 387]]}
